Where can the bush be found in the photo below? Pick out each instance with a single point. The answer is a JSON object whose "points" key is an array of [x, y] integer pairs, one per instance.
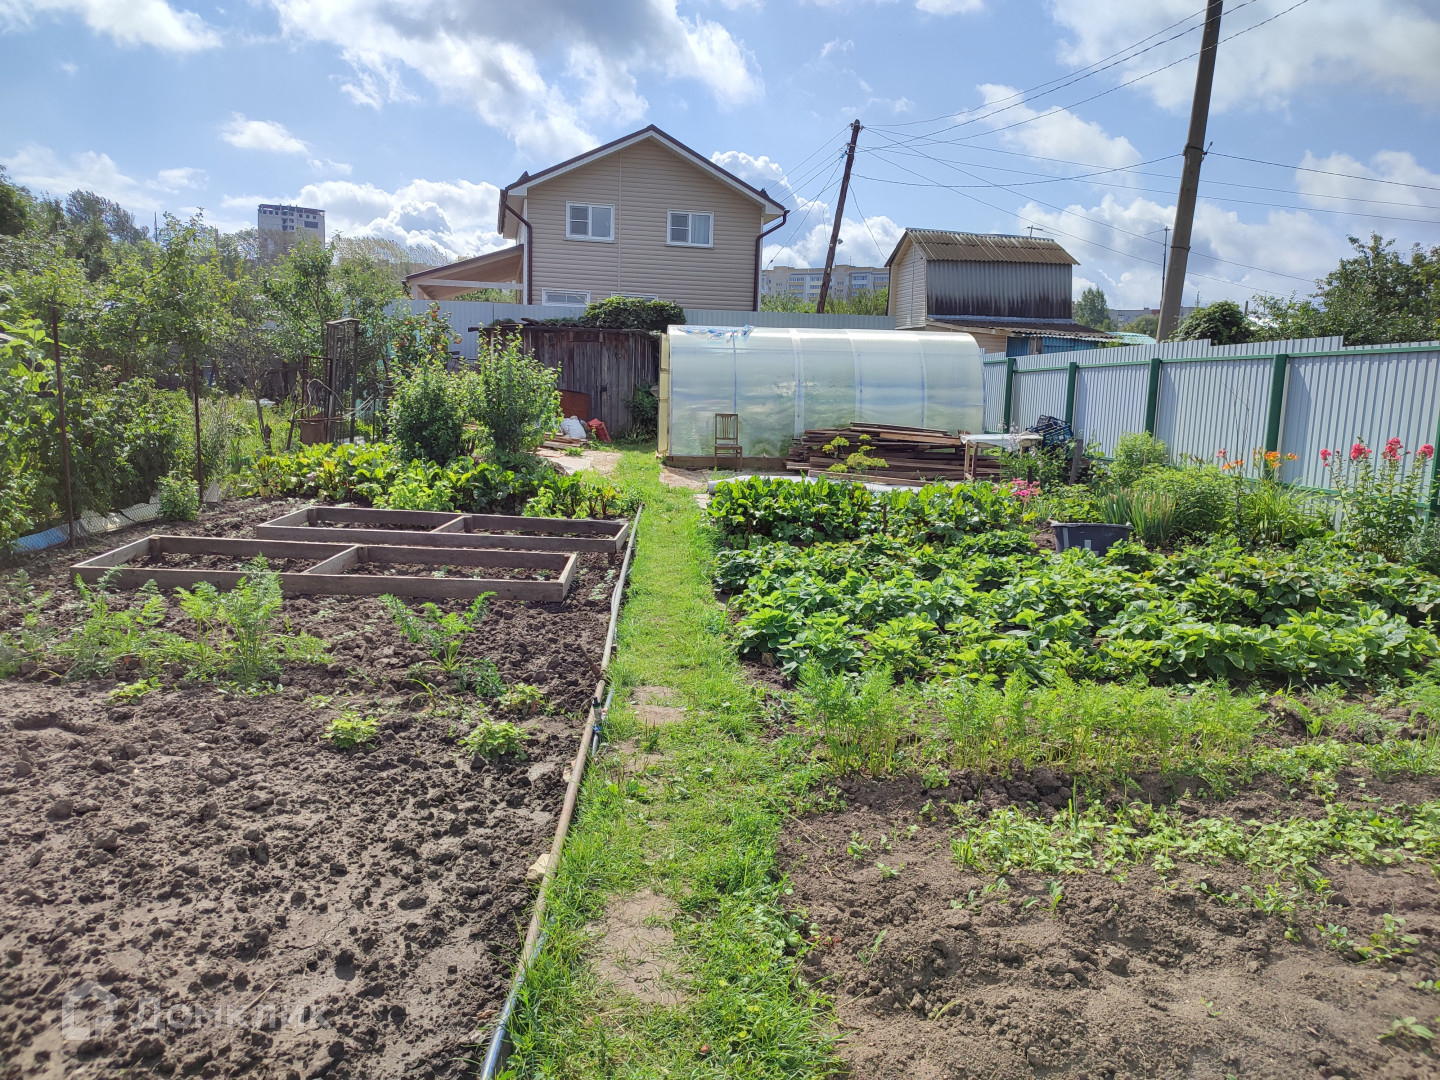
{"points": [[1136, 451], [644, 408], [1067, 503], [632, 313], [179, 500], [515, 399], [1204, 499], [427, 414]]}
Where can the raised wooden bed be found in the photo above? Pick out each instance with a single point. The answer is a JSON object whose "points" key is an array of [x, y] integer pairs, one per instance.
{"points": [[335, 573], [353, 524]]}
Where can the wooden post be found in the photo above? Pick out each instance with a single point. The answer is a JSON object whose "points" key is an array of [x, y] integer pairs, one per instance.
{"points": [[64, 429], [199, 461], [839, 210]]}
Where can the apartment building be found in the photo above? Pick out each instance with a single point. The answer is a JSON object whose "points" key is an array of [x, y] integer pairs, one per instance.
{"points": [[846, 281]]}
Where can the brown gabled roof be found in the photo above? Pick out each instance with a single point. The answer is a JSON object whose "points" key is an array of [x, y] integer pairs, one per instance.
{"points": [[760, 195], [941, 245]]}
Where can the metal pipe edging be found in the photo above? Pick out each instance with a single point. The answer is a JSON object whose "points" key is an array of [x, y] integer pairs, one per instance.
{"points": [[499, 1048]]}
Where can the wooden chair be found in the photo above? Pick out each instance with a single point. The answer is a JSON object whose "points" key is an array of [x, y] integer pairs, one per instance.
{"points": [[727, 438]]}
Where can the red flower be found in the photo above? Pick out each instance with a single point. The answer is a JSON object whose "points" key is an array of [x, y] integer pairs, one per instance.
{"points": [[1426, 452], [1326, 455], [1359, 452], [1392, 449], [1220, 453]]}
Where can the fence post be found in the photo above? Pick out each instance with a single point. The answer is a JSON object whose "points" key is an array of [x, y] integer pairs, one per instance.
{"points": [[1152, 396], [1009, 392], [1072, 377], [1280, 367]]}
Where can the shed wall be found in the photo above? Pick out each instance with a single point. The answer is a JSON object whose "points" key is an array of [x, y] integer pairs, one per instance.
{"points": [[1003, 289]]}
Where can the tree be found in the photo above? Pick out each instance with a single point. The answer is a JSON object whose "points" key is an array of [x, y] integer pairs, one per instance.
{"points": [[1149, 325], [1376, 296], [1223, 322], [15, 206], [1092, 310]]}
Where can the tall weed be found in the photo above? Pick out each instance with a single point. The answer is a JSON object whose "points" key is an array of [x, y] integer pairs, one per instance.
{"points": [[860, 717]]}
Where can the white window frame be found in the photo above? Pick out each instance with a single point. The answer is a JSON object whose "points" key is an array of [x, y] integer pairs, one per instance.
{"points": [[545, 295], [690, 228], [588, 208], [638, 295]]}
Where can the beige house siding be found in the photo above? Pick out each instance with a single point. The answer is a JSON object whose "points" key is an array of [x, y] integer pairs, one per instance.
{"points": [[644, 182], [907, 289]]}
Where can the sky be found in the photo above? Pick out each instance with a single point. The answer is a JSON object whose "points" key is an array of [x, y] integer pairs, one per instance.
{"points": [[404, 118]]}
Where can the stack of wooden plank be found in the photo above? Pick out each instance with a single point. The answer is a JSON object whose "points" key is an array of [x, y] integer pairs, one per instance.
{"points": [[910, 453]]}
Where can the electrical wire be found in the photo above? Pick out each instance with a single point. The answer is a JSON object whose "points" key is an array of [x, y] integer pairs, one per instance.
{"points": [[1326, 172]]}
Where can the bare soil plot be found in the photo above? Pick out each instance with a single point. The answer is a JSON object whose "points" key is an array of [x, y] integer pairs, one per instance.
{"points": [[257, 902], [936, 977]]}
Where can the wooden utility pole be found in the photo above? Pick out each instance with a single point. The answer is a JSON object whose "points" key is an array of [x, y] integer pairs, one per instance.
{"points": [[1190, 177], [64, 430], [839, 210]]}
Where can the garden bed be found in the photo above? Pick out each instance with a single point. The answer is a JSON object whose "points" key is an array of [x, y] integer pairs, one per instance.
{"points": [[348, 524], [939, 970], [247, 865]]}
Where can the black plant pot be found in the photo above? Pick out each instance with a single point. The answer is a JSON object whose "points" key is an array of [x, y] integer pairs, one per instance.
{"points": [[1093, 536]]}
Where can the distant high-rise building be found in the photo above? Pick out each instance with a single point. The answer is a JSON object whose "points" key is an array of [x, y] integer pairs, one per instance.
{"points": [[281, 226], [803, 283]]}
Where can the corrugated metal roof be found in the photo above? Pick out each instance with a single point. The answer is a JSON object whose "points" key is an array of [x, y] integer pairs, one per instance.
{"points": [[944, 246], [1057, 327]]}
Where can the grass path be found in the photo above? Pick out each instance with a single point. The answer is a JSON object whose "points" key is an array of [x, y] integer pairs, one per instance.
{"points": [[699, 827]]}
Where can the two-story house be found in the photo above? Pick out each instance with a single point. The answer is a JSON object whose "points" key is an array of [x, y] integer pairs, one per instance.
{"points": [[644, 216]]}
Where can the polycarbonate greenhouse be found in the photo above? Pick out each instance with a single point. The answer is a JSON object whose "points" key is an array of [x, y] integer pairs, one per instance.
{"points": [[784, 381]]}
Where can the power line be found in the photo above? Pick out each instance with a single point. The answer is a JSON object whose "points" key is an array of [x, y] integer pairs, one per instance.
{"points": [[1328, 172], [1120, 86]]}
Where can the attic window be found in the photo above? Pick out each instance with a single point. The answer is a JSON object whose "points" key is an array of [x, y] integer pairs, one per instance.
{"points": [[584, 221], [689, 229]]}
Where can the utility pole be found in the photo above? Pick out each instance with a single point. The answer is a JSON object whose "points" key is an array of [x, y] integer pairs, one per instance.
{"points": [[839, 210], [1164, 250], [1190, 177]]}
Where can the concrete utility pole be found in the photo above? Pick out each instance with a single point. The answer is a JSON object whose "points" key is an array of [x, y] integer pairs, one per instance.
{"points": [[1190, 177], [839, 210]]}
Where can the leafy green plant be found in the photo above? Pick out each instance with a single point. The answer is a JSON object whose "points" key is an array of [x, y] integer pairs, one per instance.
{"points": [[1408, 1027], [1151, 513], [579, 496], [237, 632], [521, 699], [858, 460], [633, 313], [126, 693], [179, 501], [428, 412], [858, 717], [31, 640], [515, 399], [443, 633], [1202, 495], [351, 728], [1389, 943], [1379, 497], [116, 634], [1135, 453], [492, 739]]}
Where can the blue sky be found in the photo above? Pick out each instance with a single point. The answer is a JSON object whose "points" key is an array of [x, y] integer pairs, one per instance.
{"points": [[402, 118]]}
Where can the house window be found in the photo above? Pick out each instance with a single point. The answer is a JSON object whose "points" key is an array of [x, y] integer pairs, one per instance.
{"points": [[689, 229], [638, 295], [564, 296], [586, 222]]}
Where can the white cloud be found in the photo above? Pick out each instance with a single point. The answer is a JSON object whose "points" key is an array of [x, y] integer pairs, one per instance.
{"points": [[1390, 44], [1348, 193], [269, 136], [42, 170], [1119, 245], [128, 22], [502, 69], [69, 68], [179, 179], [1054, 132], [325, 165], [457, 216]]}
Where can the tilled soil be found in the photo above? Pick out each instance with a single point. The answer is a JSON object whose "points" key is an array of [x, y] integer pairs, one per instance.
{"points": [[197, 883], [1143, 977]]}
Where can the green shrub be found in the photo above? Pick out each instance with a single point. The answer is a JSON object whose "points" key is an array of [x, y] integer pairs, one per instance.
{"points": [[1423, 547], [1203, 496], [644, 413], [632, 313], [515, 400], [427, 414], [492, 739], [179, 499], [351, 729], [580, 497], [1067, 503], [1270, 513], [1150, 512], [1135, 452]]}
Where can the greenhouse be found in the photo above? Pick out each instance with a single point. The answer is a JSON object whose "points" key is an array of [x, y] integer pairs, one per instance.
{"points": [[781, 382]]}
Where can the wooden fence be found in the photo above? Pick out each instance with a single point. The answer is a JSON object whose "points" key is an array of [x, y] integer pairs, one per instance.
{"points": [[604, 366]]}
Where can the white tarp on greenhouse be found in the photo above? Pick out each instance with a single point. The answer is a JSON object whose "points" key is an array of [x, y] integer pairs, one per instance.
{"points": [[783, 381]]}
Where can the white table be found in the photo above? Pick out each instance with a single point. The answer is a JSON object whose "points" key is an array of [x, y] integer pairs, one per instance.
{"points": [[1011, 441]]}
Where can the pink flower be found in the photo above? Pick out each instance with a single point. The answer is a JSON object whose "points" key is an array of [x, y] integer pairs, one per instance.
{"points": [[1426, 452], [1359, 451], [1220, 453], [1392, 449], [1326, 455]]}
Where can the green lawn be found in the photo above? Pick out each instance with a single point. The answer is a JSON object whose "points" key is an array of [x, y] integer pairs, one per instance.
{"points": [[699, 827]]}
